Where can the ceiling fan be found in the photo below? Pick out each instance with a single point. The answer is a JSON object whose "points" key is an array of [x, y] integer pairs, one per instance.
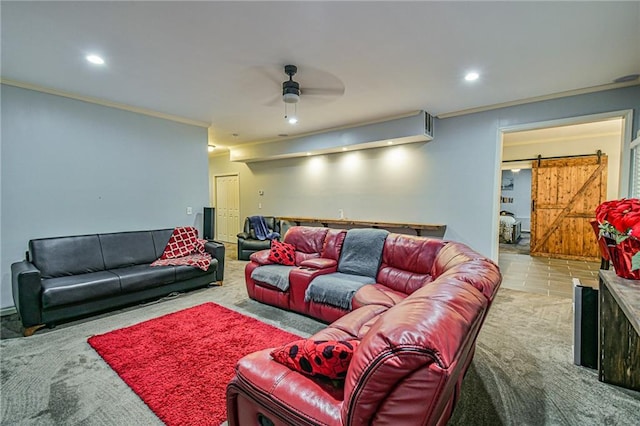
{"points": [[291, 93], [290, 88], [328, 85]]}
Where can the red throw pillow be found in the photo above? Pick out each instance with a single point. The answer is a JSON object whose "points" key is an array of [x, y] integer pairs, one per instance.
{"points": [[181, 243], [282, 253], [325, 358]]}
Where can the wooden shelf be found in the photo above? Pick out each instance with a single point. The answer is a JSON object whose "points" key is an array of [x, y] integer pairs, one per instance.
{"points": [[420, 229]]}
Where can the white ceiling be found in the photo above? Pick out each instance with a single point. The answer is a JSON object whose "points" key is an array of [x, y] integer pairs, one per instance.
{"points": [[221, 62]]}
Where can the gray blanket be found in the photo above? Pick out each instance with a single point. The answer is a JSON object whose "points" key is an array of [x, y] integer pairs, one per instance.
{"points": [[275, 275], [336, 289], [362, 252]]}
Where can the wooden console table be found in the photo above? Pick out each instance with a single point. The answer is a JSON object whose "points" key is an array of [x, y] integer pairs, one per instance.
{"points": [[619, 324], [421, 229]]}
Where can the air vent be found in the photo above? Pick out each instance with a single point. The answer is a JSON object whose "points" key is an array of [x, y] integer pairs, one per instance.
{"points": [[428, 124]]}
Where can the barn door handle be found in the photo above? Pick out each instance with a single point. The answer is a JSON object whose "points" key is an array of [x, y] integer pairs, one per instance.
{"points": [[533, 205]]}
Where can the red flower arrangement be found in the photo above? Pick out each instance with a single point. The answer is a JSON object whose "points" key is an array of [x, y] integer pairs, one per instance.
{"points": [[619, 221]]}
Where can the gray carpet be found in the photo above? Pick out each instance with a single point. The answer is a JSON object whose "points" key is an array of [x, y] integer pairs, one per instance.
{"points": [[522, 372]]}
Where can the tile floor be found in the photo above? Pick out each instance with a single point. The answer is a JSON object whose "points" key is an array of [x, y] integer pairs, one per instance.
{"points": [[542, 275]]}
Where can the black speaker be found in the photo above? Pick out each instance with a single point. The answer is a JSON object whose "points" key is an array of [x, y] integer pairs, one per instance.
{"points": [[585, 326], [209, 223]]}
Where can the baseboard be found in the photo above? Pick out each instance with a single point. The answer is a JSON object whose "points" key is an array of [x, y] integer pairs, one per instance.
{"points": [[8, 311]]}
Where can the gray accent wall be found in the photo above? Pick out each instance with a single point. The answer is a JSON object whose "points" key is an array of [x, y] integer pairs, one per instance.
{"points": [[454, 179], [71, 167]]}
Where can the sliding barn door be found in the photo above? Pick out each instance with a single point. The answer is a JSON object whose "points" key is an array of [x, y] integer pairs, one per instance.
{"points": [[564, 196]]}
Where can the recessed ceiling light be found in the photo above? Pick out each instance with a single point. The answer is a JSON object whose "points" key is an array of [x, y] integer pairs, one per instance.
{"points": [[626, 78], [210, 148], [344, 148], [389, 142], [472, 76], [95, 59], [308, 153]]}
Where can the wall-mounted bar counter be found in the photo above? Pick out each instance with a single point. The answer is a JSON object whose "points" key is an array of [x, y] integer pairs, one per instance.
{"points": [[420, 229]]}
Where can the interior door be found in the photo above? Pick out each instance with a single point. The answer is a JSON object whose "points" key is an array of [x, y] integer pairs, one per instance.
{"points": [[564, 195], [233, 211], [227, 208], [222, 234]]}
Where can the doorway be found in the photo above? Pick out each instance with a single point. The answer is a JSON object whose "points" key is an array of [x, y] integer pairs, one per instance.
{"points": [[579, 137], [227, 208], [515, 208], [565, 226], [554, 201]]}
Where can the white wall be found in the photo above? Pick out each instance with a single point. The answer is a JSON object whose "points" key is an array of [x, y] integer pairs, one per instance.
{"points": [[70, 167], [385, 184], [453, 179]]}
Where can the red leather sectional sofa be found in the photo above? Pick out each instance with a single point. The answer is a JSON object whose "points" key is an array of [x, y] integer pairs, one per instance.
{"points": [[417, 326]]}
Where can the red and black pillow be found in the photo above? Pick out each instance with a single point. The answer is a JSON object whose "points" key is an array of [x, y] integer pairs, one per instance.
{"points": [[322, 358], [282, 253], [198, 246]]}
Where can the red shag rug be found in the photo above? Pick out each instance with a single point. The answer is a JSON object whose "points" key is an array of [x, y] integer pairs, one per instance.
{"points": [[179, 364]]}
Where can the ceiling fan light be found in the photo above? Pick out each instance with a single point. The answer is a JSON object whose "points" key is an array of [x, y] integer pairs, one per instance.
{"points": [[290, 98], [293, 119]]}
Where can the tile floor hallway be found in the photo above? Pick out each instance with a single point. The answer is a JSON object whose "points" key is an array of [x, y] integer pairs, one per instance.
{"points": [[542, 275]]}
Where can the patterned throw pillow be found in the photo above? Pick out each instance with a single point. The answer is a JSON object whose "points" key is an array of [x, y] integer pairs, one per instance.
{"points": [[198, 246], [181, 243], [324, 358], [282, 253]]}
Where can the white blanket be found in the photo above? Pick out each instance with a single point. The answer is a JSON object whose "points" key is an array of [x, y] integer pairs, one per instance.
{"points": [[506, 228]]}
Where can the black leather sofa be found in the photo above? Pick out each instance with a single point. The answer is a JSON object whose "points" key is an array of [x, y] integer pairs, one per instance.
{"points": [[247, 241], [68, 277]]}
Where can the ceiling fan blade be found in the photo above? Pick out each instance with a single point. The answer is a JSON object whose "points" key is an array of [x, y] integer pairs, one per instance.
{"points": [[320, 91], [276, 100], [261, 83], [269, 73]]}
